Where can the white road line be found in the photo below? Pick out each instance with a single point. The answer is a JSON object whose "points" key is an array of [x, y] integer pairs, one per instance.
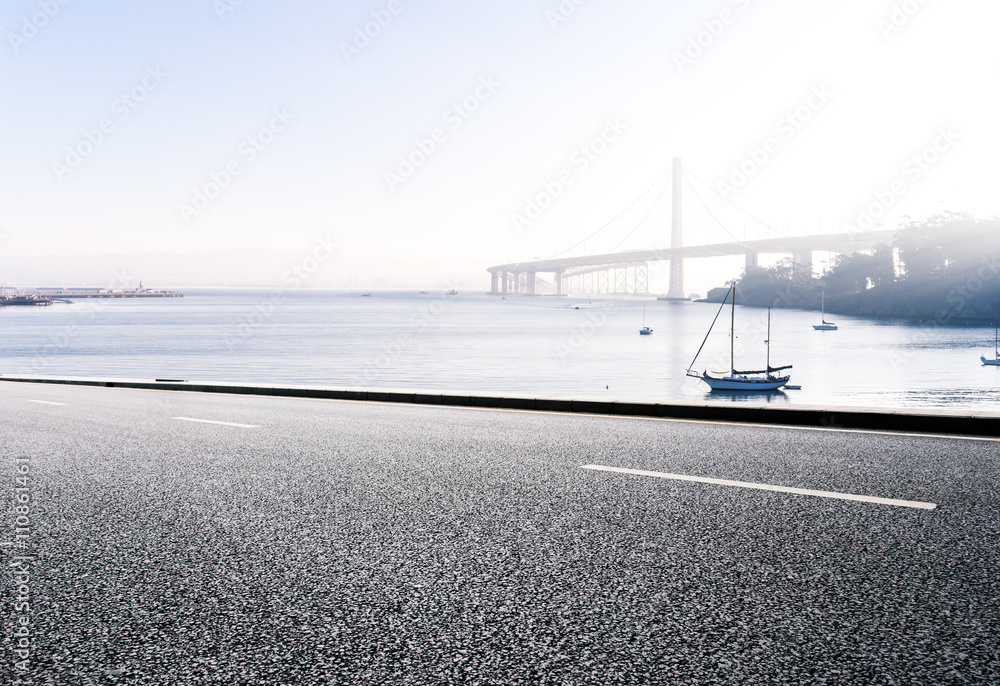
{"points": [[212, 421], [767, 487], [46, 402]]}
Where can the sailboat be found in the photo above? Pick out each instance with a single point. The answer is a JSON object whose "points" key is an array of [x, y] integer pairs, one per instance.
{"points": [[996, 350], [754, 380], [645, 330], [824, 325]]}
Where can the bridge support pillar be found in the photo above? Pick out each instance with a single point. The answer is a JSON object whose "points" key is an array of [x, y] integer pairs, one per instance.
{"points": [[676, 289], [505, 278], [494, 282], [642, 278], [621, 280], [603, 282], [752, 259], [803, 262], [559, 283], [530, 285]]}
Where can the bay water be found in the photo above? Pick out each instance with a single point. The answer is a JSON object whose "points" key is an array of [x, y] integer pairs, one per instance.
{"points": [[474, 343]]}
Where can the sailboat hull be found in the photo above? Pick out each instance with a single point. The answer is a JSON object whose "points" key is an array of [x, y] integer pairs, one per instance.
{"points": [[744, 383], [995, 362], [823, 325]]}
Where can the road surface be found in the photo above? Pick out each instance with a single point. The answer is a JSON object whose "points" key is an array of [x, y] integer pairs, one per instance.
{"points": [[185, 538]]}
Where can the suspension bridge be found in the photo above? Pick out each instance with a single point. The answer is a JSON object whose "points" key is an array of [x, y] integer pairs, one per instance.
{"points": [[627, 272]]}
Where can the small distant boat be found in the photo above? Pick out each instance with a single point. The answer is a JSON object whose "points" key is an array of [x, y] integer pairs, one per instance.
{"points": [[423, 293], [824, 325], [753, 380], [645, 330], [366, 295], [452, 292], [996, 351]]}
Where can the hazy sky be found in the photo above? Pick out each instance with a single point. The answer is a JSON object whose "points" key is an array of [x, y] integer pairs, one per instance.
{"points": [[487, 105]]}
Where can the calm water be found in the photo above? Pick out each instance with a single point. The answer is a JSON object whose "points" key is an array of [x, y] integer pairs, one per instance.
{"points": [[479, 343]]}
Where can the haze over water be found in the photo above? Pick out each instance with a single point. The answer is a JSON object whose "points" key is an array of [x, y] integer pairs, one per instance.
{"points": [[476, 343]]}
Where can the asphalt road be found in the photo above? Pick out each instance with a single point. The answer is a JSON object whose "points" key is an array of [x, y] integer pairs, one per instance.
{"points": [[332, 542]]}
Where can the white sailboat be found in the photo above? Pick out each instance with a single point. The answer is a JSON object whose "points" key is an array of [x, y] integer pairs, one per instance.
{"points": [[824, 325], [753, 380], [645, 330], [996, 350]]}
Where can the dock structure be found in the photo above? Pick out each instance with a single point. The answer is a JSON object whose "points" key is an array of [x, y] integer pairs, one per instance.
{"points": [[106, 293], [30, 300]]}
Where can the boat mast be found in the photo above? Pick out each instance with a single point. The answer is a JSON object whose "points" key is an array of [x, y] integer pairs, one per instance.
{"points": [[767, 343], [732, 334]]}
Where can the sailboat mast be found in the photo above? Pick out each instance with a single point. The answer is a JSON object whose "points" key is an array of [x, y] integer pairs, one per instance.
{"points": [[732, 334], [767, 343]]}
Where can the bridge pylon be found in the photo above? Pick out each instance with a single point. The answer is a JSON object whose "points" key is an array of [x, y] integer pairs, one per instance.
{"points": [[676, 288]]}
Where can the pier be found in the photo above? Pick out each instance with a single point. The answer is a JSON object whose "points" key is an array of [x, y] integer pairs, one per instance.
{"points": [[77, 293]]}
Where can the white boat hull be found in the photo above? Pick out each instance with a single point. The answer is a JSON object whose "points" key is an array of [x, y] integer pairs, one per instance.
{"points": [[745, 383], [825, 327]]}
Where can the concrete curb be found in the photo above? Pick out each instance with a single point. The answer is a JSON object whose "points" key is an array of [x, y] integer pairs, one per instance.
{"points": [[959, 422]]}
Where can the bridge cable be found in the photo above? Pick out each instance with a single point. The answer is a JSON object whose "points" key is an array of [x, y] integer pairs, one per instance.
{"points": [[646, 216], [735, 239], [634, 202], [769, 227]]}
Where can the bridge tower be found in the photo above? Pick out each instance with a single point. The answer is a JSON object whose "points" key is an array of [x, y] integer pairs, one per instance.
{"points": [[676, 289]]}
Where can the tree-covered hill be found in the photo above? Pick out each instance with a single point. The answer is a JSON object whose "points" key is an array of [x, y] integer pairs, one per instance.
{"points": [[945, 268]]}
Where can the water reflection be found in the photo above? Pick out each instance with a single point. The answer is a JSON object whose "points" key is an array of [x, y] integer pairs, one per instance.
{"points": [[777, 396]]}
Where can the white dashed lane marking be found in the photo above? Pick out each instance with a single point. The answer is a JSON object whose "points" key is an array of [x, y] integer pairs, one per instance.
{"points": [[212, 421], [767, 487]]}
